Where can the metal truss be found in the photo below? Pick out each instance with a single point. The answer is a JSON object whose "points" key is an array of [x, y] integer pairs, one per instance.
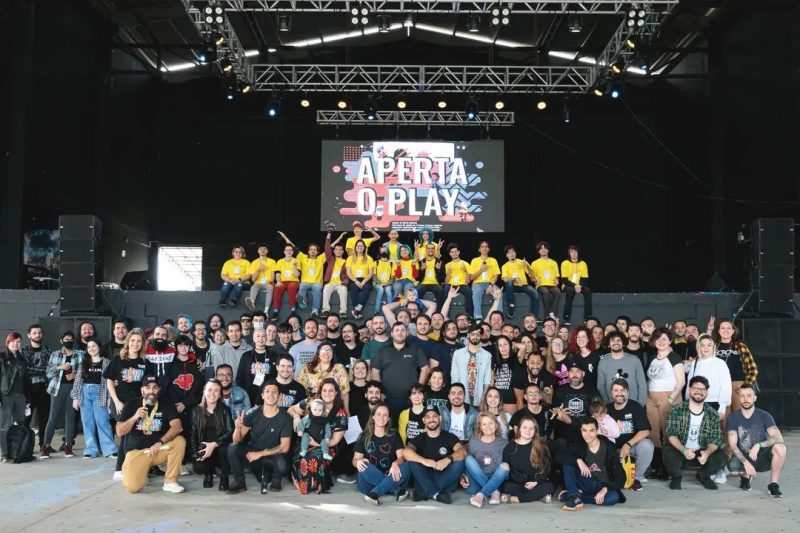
{"points": [[518, 7], [232, 47], [413, 118], [423, 78]]}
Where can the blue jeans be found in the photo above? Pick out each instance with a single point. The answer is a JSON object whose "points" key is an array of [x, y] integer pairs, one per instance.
{"points": [[359, 297], [466, 292], [478, 291], [510, 290], [93, 415], [316, 294], [380, 292], [479, 481], [431, 482], [400, 286], [373, 480], [576, 484], [228, 288]]}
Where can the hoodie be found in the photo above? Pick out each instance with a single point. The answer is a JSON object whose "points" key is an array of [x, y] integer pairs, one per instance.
{"points": [[186, 382], [159, 363]]}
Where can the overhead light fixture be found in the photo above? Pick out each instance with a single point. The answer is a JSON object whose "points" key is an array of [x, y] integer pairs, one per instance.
{"points": [[359, 15], [226, 65], [632, 42], [471, 111], [541, 105], [305, 102], [565, 115], [213, 14], [499, 105], [245, 87], [384, 24], [473, 24], [274, 107], [575, 24], [441, 104], [501, 15], [618, 66], [284, 23], [230, 87], [217, 38], [341, 104], [371, 107], [401, 104], [616, 91], [636, 17], [599, 88]]}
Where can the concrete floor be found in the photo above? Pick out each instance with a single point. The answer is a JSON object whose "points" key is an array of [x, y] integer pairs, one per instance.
{"points": [[77, 494]]}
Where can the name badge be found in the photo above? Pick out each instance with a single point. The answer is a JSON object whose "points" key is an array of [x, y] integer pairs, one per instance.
{"points": [[455, 280], [575, 277], [514, 276], [429, 274], [236, 270], [259, 379], [287, 273], [404, 270], [359, 273], [384, 276], [485, 276], [311, 271], [547, 275], [336, 273]]}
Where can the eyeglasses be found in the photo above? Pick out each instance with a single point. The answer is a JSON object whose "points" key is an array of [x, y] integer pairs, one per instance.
{"points": [[224, 376], [698, 389]]}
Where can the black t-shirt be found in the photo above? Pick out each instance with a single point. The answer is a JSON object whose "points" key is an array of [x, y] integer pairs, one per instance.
{"points": [[211, 432], [732, 358], [542, 419], [640, 352], [68, 360], [576, 403], [435, 448], [344, 355], [266, 433], [381, 451], [200, 353], [415, 425], [443, 353], [357, 397], [596, 463], [148, 430], [522, 378], [503, 377], [128, 374], [436, 398], [111, 349], [94, 373], [589, 366], [630, 420], [291, 393], [399, 368]]}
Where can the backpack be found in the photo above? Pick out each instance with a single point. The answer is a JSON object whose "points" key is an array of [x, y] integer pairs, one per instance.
{"points": [[20, 443]]}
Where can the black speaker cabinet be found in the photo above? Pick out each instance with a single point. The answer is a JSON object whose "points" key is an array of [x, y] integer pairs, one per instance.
{"points": [[80, 238], [772, 266]]}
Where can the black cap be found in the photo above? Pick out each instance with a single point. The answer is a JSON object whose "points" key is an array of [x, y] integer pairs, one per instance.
{"points": [[574, 364], [430, 408], [150, 379]]}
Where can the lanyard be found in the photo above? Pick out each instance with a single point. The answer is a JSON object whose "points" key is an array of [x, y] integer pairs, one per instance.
{"points": [[148, 422]]}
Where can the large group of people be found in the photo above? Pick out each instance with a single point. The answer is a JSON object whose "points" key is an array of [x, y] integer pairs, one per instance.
{"points": [[406, 403]]}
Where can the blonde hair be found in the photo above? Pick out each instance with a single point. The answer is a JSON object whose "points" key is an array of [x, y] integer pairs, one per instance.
{"points": [[123, 353], [486, 414]]}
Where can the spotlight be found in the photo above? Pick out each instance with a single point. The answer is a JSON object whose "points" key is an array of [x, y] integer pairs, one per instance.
{"points": [[360, 14], [354, 21], [364, 21], [226, 65], [473, 24], [632, 42], [208, 13], [217, 38], [616, 91], [401, 104], [599, 88], [341, 104], [441, 104], [245, 87], [370, 108], [284, 23], [636, 17], [230, 87], [305, 102], [499, 105], [501, 16], [541, 105], [383, 24], [575, 24], [471, 111], [274, 107], [565, 113], [618, 66], [213, 15]]}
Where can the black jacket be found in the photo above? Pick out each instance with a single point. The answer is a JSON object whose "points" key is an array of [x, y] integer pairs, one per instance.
{"points": [[578, 449], [185, 382], [225, 434], [10, 369]]}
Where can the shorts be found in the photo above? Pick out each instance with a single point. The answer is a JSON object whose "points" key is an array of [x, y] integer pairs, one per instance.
{"points": [[763, 462]]}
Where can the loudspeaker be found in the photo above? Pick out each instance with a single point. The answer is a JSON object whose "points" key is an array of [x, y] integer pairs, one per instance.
{"points": [[770, 335], [137, 280], [772, 266], [80, 245]]}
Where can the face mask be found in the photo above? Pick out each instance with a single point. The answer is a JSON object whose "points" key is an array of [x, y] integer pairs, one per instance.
{"points": [[258, 325], [160, 344], [384, 255], [68, 344]]}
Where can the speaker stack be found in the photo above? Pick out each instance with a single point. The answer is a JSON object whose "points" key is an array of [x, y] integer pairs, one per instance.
{"points": [[81, 261], [772, 267]]}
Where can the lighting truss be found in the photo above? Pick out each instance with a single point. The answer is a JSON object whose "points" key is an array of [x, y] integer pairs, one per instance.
{"points": [[232, 47], [518, 7], [413, 118], [423, 78]]}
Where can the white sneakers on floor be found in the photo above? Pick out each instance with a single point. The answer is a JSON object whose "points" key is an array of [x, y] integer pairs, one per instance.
{"points": [[117, 475], [173, 487]]}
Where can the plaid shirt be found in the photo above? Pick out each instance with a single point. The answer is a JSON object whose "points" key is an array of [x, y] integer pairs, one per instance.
{"points": [[748, 364], [678, 425], [77, 387], [57, 359]]}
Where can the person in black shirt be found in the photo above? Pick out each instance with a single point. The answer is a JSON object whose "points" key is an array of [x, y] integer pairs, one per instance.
{"points": [[436, 459], [270, 430], [533, 372], [153, 431], [119, 331], [200, 343], [359, 372], [347, 349], [291, 392], [529, 464], [255, 367], [534, 409], [186, 383], [36, 355], [12, 389], [634, 429], [571, 404], [504, 364], [442, 353], [379, 459], [212, 432], [436, 391]]}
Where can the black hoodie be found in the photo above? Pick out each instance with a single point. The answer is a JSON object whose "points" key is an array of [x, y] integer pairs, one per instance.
{"points": [[186, 382]]}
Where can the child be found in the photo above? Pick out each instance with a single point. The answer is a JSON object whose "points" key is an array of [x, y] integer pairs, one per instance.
{"points": [[607, 425], [315, 426]]}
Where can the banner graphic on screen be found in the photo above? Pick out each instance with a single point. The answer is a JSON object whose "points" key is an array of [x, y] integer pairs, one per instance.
{"points": [[407, 185]]}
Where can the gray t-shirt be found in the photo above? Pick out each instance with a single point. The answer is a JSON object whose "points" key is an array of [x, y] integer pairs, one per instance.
{"points": [[490, 455], [302, 353], [629, 368], [750, 431], [399, 368]]}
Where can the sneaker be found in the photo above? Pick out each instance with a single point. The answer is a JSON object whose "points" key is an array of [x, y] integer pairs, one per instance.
{"points": [[301, 301], [236, 488], [443, 497], [495, 498], [173, 488], [553, 316], [356, 314], [274, 316], [574, 504], [706, 481], [185, 471], [372, 498], [566, 322], [233, 303], [675, 483], [563, 496], [275, 486], [637, 485], [327, 457], [68, 450], [744, 483], [222, 303], [402, 495], [314, 313], [343, 315], [44, 453], [510, 312], [117, 476], [344, 478], [87, 456], [720, 477], [418, 496], [3, 459], [548, 499], [249, 303], [113, 455], [326, 314], [774, 490]]}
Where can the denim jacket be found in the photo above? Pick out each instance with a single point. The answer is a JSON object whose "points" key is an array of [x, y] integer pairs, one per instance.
{"points": [[238, 402], [470, 418], [57, 359]]}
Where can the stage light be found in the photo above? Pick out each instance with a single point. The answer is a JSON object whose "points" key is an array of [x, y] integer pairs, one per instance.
{"points": [[272, 50], [499, 105], [401, 104], [226, 65], [284, 23], [471, 111], [217, 38], [599, 88], [354, 21], [473, 24], [213, 14], [541, 105], [360, 14], [441, 104], [501, 16], [245, 87], [341, 104], [616, 91], [230, 86], [632, 42], [274, 107], [305, 102], [565, 115], [575, 24], [208, 54], [383, 24], [636, 17], [371, 108], [618, 66]]}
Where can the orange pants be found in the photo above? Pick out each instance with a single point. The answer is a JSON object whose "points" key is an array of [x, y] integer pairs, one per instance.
{"points": [[137, 464]]}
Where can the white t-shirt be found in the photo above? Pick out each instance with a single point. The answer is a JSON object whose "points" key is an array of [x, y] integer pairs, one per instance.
{"points": [[661, 377], [693, 438], [457, 424]]}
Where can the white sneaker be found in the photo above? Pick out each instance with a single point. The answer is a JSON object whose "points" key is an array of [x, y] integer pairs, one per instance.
{"points": [[117, 475], [720, 477], [185, 471], [173, 487]]}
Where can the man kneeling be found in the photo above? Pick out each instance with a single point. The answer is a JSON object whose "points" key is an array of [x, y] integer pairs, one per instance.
{"points": [[153, 432]]}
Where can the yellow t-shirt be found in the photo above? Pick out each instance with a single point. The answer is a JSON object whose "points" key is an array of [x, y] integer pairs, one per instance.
{"points": [[235, 268], [422, 250], [574, 271], [384, 270], [429, 273], [546, 271], [350, 244], [492, 269], [285, 270], [394, 251], [455, 271], [311, 270], [360, 269], [406, 269], [336, 273], [267, 275], [515, 272]]}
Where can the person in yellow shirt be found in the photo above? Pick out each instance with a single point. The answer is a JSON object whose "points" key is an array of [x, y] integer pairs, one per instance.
{"points": [[429, 268], [393, 245], [383, 279], [421, 244], [456, 274], [405, 271], [287, 279], [515, 274], [262, 277], [575, 279], [234, 277], [360, 269], [311, 267], [335, 276], [545, 277], [484, 272], [358, 231]]}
